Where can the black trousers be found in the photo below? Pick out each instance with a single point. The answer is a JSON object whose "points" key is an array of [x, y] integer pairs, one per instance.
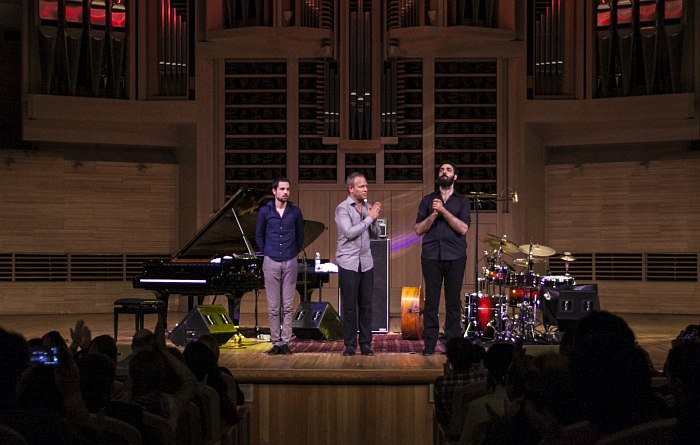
{"points": [[356, 289], [435, 273]]}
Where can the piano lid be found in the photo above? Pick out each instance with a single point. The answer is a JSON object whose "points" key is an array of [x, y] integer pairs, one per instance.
{"points": [[221, 234]]}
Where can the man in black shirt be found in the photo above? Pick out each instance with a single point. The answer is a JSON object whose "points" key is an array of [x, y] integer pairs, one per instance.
{"points": [[443, 220]]}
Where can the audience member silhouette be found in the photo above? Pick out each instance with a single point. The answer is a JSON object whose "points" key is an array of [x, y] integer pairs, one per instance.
{"points": [[212, 344], [459, 371], [482, 411], [200, 359], [41, 402], [106, 345], [610, 374], [683, 374], [148, 379]]}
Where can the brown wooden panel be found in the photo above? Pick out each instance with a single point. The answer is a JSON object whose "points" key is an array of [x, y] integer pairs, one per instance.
{"points": [[341, 414]]}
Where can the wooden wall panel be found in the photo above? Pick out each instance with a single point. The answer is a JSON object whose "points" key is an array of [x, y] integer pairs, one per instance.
{"points": [[624, 206], [51, 205], [629, 207], [341, 414]]}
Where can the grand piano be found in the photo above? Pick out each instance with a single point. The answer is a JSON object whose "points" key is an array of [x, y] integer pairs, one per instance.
{"points": [[220, 258]]}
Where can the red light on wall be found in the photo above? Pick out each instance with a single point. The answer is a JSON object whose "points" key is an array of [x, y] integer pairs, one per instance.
{"points": [[118, 16], [603, 18], [673, 9], [624, 13], [74, 12], [647, 12], [48, 10], [98, 13]]}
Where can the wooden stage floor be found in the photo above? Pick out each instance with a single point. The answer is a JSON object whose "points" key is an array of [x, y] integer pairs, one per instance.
{"points": [[250, 363]]}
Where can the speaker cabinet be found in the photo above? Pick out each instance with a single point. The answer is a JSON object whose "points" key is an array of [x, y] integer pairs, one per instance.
{"points": [[201, 320], [381, 255], [563, 306], [317, 320]]}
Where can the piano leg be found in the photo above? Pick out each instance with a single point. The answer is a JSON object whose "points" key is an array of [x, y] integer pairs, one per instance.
{"points": [[234, 306], [164, 298]]}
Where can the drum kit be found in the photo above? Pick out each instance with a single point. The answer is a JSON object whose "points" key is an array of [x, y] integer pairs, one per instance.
{"points": [[511, 291]]}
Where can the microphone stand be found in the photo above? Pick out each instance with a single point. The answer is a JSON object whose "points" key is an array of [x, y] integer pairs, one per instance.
{"points": [[305, 296], [479, 197]]}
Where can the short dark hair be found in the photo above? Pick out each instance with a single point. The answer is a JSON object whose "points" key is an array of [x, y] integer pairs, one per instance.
{"points": [[460, 353], [277, 181], [350, 181]]}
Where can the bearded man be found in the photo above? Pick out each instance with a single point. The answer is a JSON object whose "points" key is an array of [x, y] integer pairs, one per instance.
{"points": [[443, 220]]}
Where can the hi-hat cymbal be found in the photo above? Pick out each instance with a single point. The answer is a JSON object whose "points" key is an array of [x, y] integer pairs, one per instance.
{"points": [[567, 257], [500, 242], [522, 262], [537, 250]]}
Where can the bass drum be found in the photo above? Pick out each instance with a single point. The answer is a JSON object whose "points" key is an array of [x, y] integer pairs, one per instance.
{"points": [[483, 314], [556, 281]]}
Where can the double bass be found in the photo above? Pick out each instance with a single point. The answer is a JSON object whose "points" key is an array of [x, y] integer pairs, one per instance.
{"points": [[412, 303]]}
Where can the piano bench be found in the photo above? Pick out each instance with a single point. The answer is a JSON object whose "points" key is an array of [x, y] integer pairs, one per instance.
{"points": [[138, 307]]}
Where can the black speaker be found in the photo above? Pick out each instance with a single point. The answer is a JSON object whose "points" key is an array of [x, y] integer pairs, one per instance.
{"points": [[381, 254], [201, 320], [317, 320], [563, 306]]}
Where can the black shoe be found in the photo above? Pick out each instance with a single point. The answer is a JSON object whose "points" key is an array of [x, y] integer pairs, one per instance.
{"points": [[284, 349], [275, 350], [366, 350], [349, 350], [428, 351]]}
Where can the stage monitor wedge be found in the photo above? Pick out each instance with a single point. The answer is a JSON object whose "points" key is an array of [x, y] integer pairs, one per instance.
{"points": [[202, 320], [317, 320], [563, 306]]}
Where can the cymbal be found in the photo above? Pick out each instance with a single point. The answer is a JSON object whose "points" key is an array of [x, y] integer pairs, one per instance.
{"points": [[567, 257], [537, 250], [523, 261], [500, 242]]}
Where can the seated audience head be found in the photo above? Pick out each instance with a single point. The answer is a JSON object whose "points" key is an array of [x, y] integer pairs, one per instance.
{"points": [[14, 356], [97, 375], [104, 344], [497, 361], [143, 339], [683, 370], [54, 339], [610, 374], [200, 359], [211, 343], [146, 371], [548, 397], [460, 353]]}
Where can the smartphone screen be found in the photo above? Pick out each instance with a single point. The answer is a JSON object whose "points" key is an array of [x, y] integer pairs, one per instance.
{"points": [[44, 356]]}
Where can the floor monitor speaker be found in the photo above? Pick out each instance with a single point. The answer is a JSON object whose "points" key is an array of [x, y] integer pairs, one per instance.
{"points": [[317, 320], [205, 319], [562, 307]]}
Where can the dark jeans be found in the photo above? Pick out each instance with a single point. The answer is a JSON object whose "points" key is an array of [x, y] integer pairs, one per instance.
{"points": [[356, 289], [435, 272]]}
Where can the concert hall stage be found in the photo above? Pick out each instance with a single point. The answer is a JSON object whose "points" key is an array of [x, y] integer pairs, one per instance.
{"points": [[318, 396]]}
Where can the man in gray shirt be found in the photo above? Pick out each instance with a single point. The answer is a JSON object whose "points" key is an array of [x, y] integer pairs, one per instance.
{"points": [[356, 222]]}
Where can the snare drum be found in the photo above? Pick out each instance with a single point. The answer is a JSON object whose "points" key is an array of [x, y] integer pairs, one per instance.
{"points": [[555, 281]]}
